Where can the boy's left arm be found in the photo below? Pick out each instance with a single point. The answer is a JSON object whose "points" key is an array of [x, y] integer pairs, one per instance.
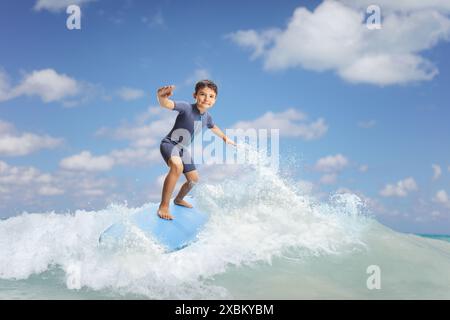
{"points": [[222, 135]]}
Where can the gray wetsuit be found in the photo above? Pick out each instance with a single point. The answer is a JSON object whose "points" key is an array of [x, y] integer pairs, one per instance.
{"points": [[176, 141]]}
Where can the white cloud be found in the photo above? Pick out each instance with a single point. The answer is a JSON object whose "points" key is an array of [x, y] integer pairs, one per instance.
{"points": [[251, 39], [388, 69], [320, 40], [57, 5], [93, 192], [401, 189], [50, 191], [437, 171], [24, 182], [198, 74], [20, 144], [84, 161], [291, 123], [6, 127], [331, 164], [28, 188], [146, 130], [442, 198], [363, 168], [329, 178], [4, 85], [367, 124], [136, 156], [334, 37], [46, 83], [436, 214], [86, 184], [157, 20], [18, 175], [129, 94], [144, 135]]}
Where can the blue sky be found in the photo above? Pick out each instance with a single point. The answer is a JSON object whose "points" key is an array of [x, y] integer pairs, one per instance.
{"points": [[363, 110]]}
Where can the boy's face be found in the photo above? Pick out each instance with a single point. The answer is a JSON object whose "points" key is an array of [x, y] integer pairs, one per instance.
{"points": [[205, 98]]}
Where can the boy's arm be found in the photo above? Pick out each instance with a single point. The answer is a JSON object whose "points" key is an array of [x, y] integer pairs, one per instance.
{"points": [[222, 135], [163, 95]]}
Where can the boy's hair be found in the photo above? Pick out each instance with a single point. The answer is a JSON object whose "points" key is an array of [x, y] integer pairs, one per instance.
{"points": [[205, 83]]}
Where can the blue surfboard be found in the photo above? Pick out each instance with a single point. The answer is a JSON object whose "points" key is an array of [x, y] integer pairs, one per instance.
{"points": [[173, 234]]}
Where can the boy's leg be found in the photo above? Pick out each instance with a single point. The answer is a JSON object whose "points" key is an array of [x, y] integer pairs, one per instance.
{"points": [[176, 168], [192, 179]]}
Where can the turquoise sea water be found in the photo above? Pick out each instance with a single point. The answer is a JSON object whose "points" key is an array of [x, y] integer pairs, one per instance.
{"points": [[442, 237]]}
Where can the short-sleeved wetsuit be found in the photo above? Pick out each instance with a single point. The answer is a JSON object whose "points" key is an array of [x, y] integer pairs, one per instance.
{"points": [[173, 144]]}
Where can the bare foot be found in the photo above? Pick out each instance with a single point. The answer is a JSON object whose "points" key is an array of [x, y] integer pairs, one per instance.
{"points": [[182, 203], [164, 213]]}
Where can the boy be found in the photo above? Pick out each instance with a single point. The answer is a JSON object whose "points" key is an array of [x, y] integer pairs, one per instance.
{"points": [[173, 148]]}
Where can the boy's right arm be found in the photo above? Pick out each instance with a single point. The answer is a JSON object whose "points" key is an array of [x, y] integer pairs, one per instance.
{"points": [[163, 95]]}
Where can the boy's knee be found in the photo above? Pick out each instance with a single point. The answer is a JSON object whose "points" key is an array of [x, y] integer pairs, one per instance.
{"points": [[192, 182], [176, 167], [192, 177]]}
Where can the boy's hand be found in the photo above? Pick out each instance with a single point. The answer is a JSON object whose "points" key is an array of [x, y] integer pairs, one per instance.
{"points": [[229, 141], [166, 91]]}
